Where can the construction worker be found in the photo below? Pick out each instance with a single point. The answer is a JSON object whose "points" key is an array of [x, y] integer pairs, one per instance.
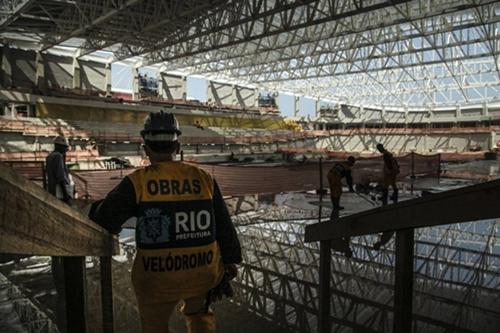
{"points": [[59, 181], [390, 172], [60, 185], [184, 235], [335, 175]]}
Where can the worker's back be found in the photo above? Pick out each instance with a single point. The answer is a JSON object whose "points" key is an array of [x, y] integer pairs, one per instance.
{"points": [[177, 252]]}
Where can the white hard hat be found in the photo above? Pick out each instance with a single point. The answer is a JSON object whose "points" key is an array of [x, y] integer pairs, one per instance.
{"points": [[61, 140]]}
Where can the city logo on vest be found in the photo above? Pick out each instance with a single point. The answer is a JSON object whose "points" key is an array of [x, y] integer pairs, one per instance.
{"points": [[193, 224], [153, 227]]}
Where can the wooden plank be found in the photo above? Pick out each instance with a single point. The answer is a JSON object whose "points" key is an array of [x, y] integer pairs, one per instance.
{"points": [[34, 222], [403, 284], [472, 203]]}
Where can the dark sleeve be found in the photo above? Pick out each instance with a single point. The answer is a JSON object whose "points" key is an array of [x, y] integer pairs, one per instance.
{"points": [[388, 161], [117, 208], [348, 178], [225, 233], [60, 169]]}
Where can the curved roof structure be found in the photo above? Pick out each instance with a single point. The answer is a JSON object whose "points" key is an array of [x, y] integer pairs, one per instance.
{"points": [[403, 53]]}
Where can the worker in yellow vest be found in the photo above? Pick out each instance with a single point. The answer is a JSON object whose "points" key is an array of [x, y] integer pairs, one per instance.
{"points": [[185, 237], [337, 172]]}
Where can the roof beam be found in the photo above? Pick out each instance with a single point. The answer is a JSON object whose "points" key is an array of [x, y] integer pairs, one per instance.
{"points": [[113, 7], [11, 11], [274, 22], [317, 55], [364, 23]]}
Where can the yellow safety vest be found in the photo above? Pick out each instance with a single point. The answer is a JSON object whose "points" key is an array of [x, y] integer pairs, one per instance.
{"points": [[177, 254]]}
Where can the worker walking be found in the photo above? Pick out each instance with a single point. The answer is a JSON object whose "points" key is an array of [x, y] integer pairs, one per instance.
{"points": [[337, 172], [389, 175], [184, 235]]}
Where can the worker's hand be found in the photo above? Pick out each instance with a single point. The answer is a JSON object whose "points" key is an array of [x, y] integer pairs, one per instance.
{"points": [[231, 271], [224, 288]]}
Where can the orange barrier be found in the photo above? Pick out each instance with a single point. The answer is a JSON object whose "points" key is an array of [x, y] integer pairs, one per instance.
{"points": [[242, 180], [30, 169], [71, 156], [408, 131]]}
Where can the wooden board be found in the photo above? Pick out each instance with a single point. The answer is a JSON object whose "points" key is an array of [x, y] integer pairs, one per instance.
{"points": [[471, 203], [33, 222]]}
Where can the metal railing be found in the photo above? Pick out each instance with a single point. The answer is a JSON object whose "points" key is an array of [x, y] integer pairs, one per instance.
{"points": [[472, 203]]}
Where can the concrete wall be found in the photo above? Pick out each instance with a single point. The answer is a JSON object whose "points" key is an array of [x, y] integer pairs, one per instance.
{"points": [[92, 76], [172, 86], [220, 93], [23, 66], [246, 97], [26, 69], [58, 71]]}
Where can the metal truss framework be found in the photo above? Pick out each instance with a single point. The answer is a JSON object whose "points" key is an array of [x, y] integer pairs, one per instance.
{"points": [[28, 314], [280, 279], [457, 279], [364, 52]]}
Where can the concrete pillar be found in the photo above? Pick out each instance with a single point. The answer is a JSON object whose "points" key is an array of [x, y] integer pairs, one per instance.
{"points": [[458, 112], [255, 97], [13, 110], [184, 88], [76, 74], [161, 93], [6, 69], [493, 140], [40, 72], [107, 79], [234, 97], [135, 83], [317, 106], [209, 88], [296, 110], [485, 111]]}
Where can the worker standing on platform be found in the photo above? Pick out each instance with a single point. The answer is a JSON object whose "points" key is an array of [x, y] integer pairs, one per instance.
{"points": [[60, 185], [187, 246], [335, 175], [390, 172], [59, 181]]}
